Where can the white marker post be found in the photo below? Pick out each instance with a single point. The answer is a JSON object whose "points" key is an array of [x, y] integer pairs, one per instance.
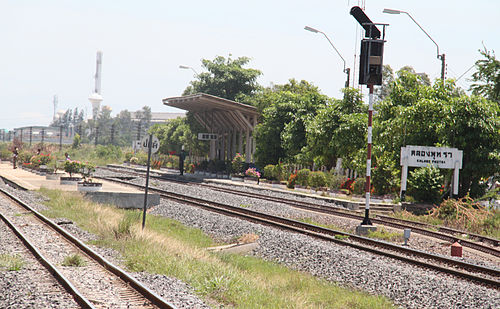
{"points": [[151, 143]]}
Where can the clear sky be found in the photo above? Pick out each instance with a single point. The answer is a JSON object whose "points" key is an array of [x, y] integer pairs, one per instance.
{"points": [[49, 47]]}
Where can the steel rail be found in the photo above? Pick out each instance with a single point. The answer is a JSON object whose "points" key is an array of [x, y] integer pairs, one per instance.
{"points": [[330, 234], [147, 293], [67, 285], [417, 227]]}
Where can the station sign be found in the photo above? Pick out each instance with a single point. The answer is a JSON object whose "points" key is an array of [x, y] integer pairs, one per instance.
{"points": [[155, 143], [136, 145], [422, 156], [208, 136], [440, 157]]}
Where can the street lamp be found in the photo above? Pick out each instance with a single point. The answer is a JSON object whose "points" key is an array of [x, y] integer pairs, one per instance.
{"points": [[346, 70], [185, 67], [441, 57]]}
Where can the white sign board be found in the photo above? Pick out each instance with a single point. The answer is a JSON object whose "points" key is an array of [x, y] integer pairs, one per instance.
{"points": [[207, 136], [440, 157], [136, 145], [422, 156], [155, 145]]}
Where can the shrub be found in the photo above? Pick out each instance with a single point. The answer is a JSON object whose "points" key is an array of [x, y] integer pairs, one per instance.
{"points": [[252, 172], [278, 172], [347, 185], [385, 175], [109, 151], [291, 181], [425, 184], [86, 170], [77, 140], [316, 179], [303, 176], [358, 186], [336, 181], [269, 172], [72, 167], [238, 164], [5, 153], [23, 156], [128, 156]]}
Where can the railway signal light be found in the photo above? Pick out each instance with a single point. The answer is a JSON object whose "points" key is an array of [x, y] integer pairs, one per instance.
{"points": [[372, 50]]}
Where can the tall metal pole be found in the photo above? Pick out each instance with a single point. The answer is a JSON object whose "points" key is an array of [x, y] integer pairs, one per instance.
{"points": [[443, 65], [31, 135], [366, 220]]}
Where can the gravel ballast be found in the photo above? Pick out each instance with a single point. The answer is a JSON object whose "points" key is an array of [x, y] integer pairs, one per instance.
{"points": [[19, 285]]}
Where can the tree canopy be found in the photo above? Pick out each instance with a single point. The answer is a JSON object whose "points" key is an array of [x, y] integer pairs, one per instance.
{"points": [[226, 78], [286, 108], [440, 115], [487, 76]]}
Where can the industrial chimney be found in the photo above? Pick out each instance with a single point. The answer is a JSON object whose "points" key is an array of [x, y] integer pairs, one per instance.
{"points": [[95, 98]]}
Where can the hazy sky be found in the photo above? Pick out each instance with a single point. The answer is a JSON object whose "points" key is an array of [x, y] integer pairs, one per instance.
{"points": [[49, 47]]}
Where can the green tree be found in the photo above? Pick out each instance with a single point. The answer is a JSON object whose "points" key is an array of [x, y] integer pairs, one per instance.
{"points": [[226, 78], [487, 76], [281, 133], [440, 115], [178, 132], [338, 131]]}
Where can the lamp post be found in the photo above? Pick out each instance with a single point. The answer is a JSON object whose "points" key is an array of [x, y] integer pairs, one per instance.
{"points": [[439, 56], [346, 70], [185, 67]]}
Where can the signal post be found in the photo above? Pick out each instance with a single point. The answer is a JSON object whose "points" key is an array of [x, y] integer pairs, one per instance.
{"points": [[370, 74]]}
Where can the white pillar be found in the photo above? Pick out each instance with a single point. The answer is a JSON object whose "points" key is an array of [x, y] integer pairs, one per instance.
{"points": [[247, 147]]}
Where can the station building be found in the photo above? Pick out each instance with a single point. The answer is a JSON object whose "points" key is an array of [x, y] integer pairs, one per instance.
{"points": [[229, 125]]}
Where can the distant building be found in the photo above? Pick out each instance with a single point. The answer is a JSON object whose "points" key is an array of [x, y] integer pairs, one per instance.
{"points": [[157, 117]]}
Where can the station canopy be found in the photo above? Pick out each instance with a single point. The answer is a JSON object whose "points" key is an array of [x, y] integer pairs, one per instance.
{"points": [[215, 113]]}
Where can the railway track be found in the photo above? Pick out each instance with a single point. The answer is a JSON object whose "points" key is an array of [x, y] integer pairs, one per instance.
{"points": [[479, 274], [487, 246], [123, 291]]}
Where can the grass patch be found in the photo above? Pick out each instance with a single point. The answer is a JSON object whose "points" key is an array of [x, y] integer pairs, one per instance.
{"points": [[74, 260], [170, 248], [383, 234], [11, 262]]}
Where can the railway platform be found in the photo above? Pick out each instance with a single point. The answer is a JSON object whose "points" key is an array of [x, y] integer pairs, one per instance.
{"points": [[112, 193]]}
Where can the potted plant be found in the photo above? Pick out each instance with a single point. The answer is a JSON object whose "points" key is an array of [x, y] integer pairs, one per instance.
{"points": [[237, 167], [87, 185], [252, 174], [71, 167]]}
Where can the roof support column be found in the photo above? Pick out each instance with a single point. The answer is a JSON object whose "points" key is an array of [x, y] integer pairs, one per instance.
{"points": [[254, 143], [233, 147], [212, 149], [240, 142], [248, 144]]}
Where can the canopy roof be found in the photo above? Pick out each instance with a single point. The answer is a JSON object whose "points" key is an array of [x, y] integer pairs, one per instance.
{"points": [[215, 112]]}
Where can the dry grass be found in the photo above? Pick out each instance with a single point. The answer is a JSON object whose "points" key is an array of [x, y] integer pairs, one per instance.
{"points": [[167, 247]]}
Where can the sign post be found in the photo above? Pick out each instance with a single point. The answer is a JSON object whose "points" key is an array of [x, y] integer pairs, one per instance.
{"points": [[151, 143]]}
